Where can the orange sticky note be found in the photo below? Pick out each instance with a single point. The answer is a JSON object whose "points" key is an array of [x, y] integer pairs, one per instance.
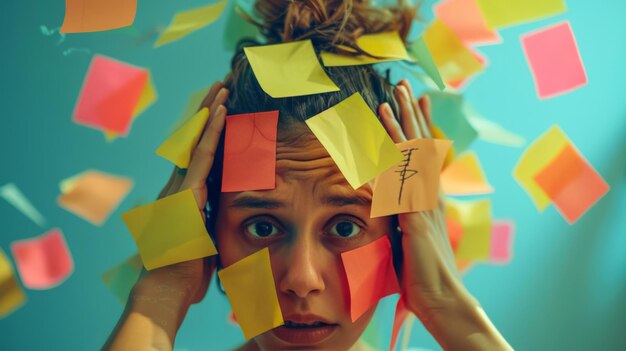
{"points": [[464, 176], [370, 274], [554, 60], [398, 320], [250, 152], [501, 242], [97, 15], [44, 261], [110, 95], [413, 184], [465, 18], [11, 294]]}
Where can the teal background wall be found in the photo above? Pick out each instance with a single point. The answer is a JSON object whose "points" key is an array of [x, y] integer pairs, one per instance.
{"points": [[565, 288]]}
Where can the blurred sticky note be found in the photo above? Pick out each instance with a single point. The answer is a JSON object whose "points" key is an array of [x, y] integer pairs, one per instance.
{"points": [[465, 18], [475, 219], [97, 15], [387, 45], [554, 60], [121, 278], [289, 69], [179, 147], [413, 184], [250, 152], [492, 132], [448, 114], [572, 183], [193, 106], [355, 139], [464, 176], [11, 294], [187, 22], [147, 98], [370, 274], [501, 242], [503, 13], [249, 285], [44, 261], [425, 59], [398, 319], [237, 27], [94, 195], [169, 230], [12, 194], [111, 94]]}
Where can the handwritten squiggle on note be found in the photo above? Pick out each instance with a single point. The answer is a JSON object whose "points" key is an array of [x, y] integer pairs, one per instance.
{"points": [[404, 170]]}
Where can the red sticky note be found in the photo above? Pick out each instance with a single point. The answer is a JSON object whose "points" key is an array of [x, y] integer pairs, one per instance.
{"points": [[465, 18], [109, 95], [501, 242], [400, 316], [370, 274], [250, 152], [43, 262], [554, 60]]}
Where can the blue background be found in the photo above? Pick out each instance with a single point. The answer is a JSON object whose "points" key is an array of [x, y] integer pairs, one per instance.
{"points": [[565, 288]]}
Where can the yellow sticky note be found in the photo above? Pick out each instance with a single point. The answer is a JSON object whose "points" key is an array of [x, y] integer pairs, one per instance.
{"points": [[475, 219], [11, 294], [502, 13], [355, 139], [387, 45], [249, 285], [289, 69], [179, 146], [537, 157], [464, 176], [187, 22], [169, 230], [147, 98]]}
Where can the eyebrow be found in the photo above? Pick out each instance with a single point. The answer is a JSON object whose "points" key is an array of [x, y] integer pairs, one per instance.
{"points": [[334, 200], [340, 200]]}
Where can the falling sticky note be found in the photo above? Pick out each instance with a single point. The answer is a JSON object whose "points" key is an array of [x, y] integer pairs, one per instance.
{"points": [[94, 195], [110, 95], [554, 60], [121, 278], [44, 261], [370, 274], [464, 176], [169, 230], [413, 184], [475, 219], [449, 115], [503, 13], [401, 313], [501, 242], [425, 59], [12, 194], [492, 132], [194, 104], [387, 45], [465, 18], [355, 139], [97, 15], [249, 285], [11, 294], [147, 98], [187, 22], [179, 147], [250, 147], [289, 69], [572, 183]]}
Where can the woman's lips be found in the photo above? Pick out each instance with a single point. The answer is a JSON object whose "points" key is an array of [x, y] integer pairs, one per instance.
{"points": [[304, 333]]}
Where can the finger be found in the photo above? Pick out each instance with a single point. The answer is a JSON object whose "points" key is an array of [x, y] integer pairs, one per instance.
{"points": [[407, 115], [425, 107], [419, 117], [220, 99], [391, 123], [210, 97]]}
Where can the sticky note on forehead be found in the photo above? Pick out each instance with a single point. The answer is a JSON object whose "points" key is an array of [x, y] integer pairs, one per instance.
{"points": [[413, 184], [289, 69], [355, 140], [249, 285]]}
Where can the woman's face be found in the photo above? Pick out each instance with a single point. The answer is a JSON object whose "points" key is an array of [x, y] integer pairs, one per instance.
{"points": [[307, 221]]}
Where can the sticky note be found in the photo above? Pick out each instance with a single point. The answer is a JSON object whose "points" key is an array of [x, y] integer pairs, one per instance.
{"points": [[250, 152], [44, 261], [464, 176], [355, 139], [94, 195], [554, 60], [12, 194], [289, 69], [169, 230], [121, 278], [187, 22], [503, 13], [424, 58], [448, 114], [455, 232], [97, 15], [572, 183], [387, 45], [179, 147], [111, 92], [413, 184], [147, 98], [11, 294], [249, 285], [501, 251], [370, 274], [400, 315], [490, 131], [466, 19], [475, 219], [194, 104]]}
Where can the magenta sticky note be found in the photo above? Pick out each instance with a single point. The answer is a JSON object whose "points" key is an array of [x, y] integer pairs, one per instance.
{"points": [[554, 60], [43, 262], [501, 242]]}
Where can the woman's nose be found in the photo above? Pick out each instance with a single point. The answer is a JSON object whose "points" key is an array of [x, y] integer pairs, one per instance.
{"points": [[303, 264]]}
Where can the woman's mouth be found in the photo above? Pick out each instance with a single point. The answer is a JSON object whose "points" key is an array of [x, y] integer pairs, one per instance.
{"points": [[305, 333]]}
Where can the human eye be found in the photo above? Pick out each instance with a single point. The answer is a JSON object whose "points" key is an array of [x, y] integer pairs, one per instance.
{"points": [[345, 228], [261, 228]]}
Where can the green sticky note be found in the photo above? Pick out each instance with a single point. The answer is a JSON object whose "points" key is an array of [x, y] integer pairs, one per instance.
{"points": [[425, 59], [449, 116]]}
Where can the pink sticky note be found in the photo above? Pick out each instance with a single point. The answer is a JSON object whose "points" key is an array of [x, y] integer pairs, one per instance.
{"points": [[400, 316], [44, 261], [370, 274], [501, 242], [554, 60], [109, 95]]}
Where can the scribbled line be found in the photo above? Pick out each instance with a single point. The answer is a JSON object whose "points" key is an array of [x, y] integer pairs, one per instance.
{"points": [[404, 171]]}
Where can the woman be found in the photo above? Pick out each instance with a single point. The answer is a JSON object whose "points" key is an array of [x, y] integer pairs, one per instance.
{"points": [[313, 214]]}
